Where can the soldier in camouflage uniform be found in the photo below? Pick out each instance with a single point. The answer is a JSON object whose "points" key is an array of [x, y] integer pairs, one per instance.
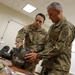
{"points": [[57, 53], [32, 36]]}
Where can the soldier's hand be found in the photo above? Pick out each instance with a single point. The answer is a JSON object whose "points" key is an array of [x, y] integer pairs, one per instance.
{"points": [[32, 51], [18, 44], [31, 57]]}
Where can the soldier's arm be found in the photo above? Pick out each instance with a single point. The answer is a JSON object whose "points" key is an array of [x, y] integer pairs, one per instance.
{"points": [[20, 37], [56, 49]]}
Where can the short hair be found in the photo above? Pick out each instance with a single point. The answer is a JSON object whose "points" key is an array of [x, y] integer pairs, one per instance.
{"points": [[56, 6], [42, 15]]}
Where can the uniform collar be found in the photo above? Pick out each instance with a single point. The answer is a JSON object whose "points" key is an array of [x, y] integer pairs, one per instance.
{"points": [[59, 23], [34, 28]]}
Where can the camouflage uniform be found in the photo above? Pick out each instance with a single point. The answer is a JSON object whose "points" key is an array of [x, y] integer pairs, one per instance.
{"points": [[33, 39], [2, 69], [70, 74], [57, 53]]}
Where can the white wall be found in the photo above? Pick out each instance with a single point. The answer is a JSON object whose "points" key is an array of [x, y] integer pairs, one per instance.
{"points": [[13, 20], [72, 69]]}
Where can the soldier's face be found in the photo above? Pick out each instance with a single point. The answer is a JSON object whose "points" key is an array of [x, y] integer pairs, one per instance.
{"points": [[38, 21], [53, 15]]}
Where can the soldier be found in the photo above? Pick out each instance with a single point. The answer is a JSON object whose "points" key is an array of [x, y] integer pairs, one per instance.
{"points": [[32, 36], [57, 53]]}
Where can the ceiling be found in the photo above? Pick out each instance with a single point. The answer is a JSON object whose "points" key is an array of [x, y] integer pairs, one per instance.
{"points": [[41, 5]]}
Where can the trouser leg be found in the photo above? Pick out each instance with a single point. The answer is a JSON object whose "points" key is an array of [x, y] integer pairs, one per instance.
{"points": [[44, 71], [48, 71]]}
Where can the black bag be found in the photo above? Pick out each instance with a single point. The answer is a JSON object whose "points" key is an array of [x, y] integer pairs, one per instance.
{"points": [[17, 56], [3, 52]]}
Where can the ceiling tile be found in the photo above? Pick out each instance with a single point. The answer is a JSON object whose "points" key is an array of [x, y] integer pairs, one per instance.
{"points": [[0, 1], [69, 1], [39, 1], [8, 2]]}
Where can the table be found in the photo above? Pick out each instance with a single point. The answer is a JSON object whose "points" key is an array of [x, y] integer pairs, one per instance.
{"points": [[13, 68], [5, 61], [16, 69]]}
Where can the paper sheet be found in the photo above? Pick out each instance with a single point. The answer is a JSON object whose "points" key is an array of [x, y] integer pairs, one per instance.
{"points": [[19, 73]]}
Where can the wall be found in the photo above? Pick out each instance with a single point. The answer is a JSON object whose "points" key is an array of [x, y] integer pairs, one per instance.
{"points": [[72, 69]]}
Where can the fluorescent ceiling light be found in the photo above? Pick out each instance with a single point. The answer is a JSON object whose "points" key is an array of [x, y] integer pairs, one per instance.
{"points": [[29, 8]]}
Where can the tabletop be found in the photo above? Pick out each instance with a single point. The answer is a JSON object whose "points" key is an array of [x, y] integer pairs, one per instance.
{"points": [[13, 70]]}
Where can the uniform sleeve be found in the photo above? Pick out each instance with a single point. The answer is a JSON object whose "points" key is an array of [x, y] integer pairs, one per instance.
{"points": [[21, 35], [54, 50]]}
